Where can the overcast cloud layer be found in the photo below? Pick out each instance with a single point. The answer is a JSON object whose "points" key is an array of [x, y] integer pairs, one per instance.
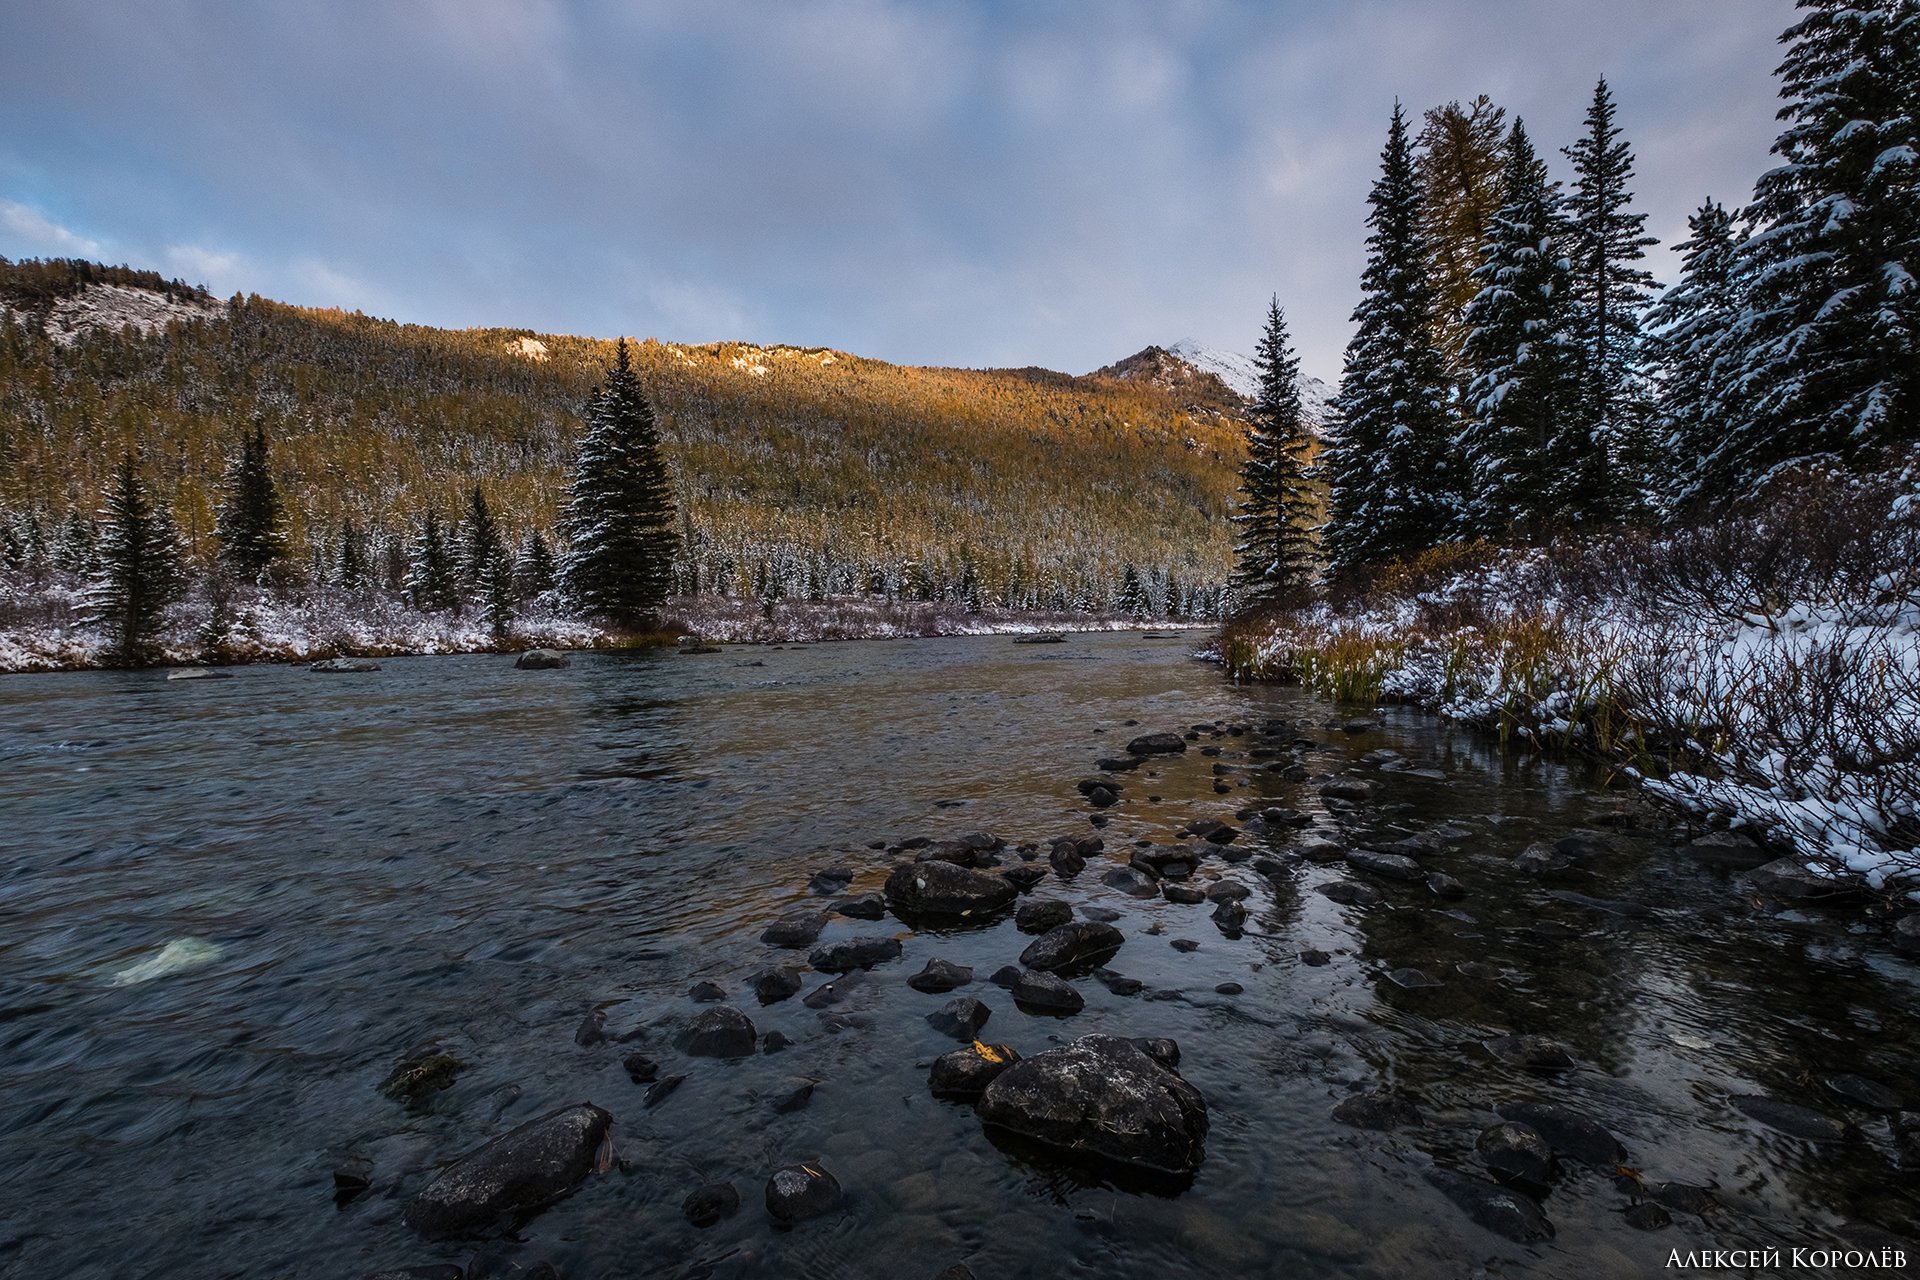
{"points": [[932, 183]]}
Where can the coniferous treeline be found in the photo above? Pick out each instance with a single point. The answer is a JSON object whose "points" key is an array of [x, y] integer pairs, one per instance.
{"points": [[1512, 375]]}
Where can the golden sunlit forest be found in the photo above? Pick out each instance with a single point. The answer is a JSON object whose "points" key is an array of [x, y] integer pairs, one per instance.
{"points": [[797, 472]]}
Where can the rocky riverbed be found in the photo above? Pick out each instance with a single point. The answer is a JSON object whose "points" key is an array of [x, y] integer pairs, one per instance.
{"points": [[1261, 988]]}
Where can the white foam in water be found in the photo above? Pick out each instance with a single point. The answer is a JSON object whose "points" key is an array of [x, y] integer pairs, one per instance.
{"points": [[176, 957]]}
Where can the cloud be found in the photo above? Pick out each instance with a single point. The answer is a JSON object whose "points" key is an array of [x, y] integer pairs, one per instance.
{"points": [[26, 232]]}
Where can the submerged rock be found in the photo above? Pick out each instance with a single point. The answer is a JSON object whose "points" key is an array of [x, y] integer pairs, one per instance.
{"points": [[1102, 1096], [966, 1073], [1791, 879], [863, 906], [1864, 1092], [514, 1176], [1792, 1118], [419, 1077], [1412, 979], [1541, 858], [1516, 1151], [1354, 789], [1182, 894], [1350, 893], [724, 1032], [801, 1191], [1572, 1136], [1072, 947], [344, 666], [943, 890], [1727, 849], [855, 953], [706, 1206], [1504, 1212], [1378, 1109], [1534, 1052]]}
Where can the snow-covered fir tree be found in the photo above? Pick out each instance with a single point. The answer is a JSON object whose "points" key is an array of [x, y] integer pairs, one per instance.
{"points": [[137, 571], [433, 573], [1386, 467], [1528, 460], [251, 525], [482, 547], [1273, 555], [1605, 239], [534, 570], [1690, 346], [1832, 330], [352, 563], [619, 524]]}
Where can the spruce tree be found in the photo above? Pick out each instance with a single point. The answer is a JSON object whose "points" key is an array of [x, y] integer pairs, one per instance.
{"points": [[251, 525], [1386, 467], [351, 570], [619, 523], [1273, 557], [534, 570], [1833, 329], [1604, 241], [79, 539], [1525, 465], [482, 547], [1690, 345], [433, 576], [1462, 153], [137, 568]]}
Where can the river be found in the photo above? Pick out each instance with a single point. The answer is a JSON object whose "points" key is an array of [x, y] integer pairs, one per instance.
{"points": [[229, 907]]}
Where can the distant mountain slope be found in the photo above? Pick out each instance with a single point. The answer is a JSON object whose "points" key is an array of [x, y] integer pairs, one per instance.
{"points": [[1215, 379], [798, 471]]}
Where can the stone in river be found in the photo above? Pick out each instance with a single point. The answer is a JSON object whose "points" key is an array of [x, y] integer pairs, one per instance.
{"points": [[706, 1206], [1391, 866], [1378, 1109], [940, 889], [1131, 881], [1184, 944], [1087, 786], [1540, 858], [961, 1018], [1792, 1118], [1102, 1096], [1572, 1136], [1005, 976], [1499, 1210], [542, 660], [514, 1176], [1789, 878], [1162, 1049], [724, 1032], [1041, 914], [640, 1068], [1314, 957], [801, 1191], [1102, 798], [705, 992], [800, 929], [1516, 1151], [855, 953], [863, 906], [1118, 764], [1727, 849], [1321, 852], [1350, 893], [660, 1091], [1647, 1216], [1067, 861], [940, 976], [796, 1099], [1412, 979], [1230, 917], [1227, 891], [830, 993], [419, 1077], [1076, 946], [1445, 886], [1119, 984], [1906, 1138], [1024, 878], [438, 1271], [1906, 932], [966, 1073], [1347, 789], [592, 1029], [1535, 1052], [1184, 894], [1041, 992], [344, 666], [1157, 744], [775, 984]]}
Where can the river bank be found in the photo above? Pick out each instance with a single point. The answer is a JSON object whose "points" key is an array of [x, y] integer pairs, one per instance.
{"points": [[572, 872]]}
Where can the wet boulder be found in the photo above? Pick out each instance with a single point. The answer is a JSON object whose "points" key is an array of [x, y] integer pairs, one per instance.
{"points": [[1102, 1096], [1727, 849], [542, 660], [1906, 932], [1067, 860], [940, 889], [1442, 885], [1517, 1153], [1390, 866], [854, 953], [1412, 979], [1792, 879], [1157, 744], [801, 1191], [1351, 789], [800, 929], [1040, 992], [1498, 1209], [724, 1032], [420, 1076], [1321, 852], [966, 1073], [1572, 1136], [1183, 894], [1041, 914], [863, 906], [1024, 877], [960, 1018], [1072, 947], [1350, 893], [1540, 858], [940, 976], [1791, 1118], [1230, 917], [1533, 1052], [1227, 891], [514, 1176], [777, 983], [1863, 1092]]}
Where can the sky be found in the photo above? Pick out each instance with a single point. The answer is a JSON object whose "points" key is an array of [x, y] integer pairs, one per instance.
{"points": [[923, 181]]}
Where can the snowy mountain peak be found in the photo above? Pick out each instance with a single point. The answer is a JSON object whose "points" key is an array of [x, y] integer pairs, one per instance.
{"points": [[1186, 365]]}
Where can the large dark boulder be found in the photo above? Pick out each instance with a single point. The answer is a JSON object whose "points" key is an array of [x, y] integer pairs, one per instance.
{"points": [[1157, 744], [1078, 945], [1727, 849], [1572, 1135], [1516, 1153], [1040, 992], [966, 1073], [1790, 878], [799, 929], [1392, 866], [940, 976], [1504, 1212], [542, 660], [854, 953], [724, 1032], [1041, 914], [1103, 1097], [961, 1018], [801, 1191], [514, 1176], [940, 889]]}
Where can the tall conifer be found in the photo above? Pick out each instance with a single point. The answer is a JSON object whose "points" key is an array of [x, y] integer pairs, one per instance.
{"points": [[136, 568], [1690, 345], [251, 525], [1273, 556]]}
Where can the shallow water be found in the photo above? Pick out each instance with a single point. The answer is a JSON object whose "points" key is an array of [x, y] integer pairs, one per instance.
{"points": [[229, 908]]}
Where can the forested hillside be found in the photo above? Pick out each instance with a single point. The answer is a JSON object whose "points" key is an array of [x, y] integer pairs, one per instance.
{"points": [[797, 472]]}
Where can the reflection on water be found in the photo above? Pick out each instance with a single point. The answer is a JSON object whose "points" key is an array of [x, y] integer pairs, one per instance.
{"points": [[317, 875]]}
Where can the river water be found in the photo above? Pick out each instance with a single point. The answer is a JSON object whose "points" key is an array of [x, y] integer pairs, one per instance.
{"points": [[228, 909]]}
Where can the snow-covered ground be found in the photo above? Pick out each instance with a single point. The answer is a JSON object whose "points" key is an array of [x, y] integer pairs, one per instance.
{"points": [[1798, 718], [115, 307]]}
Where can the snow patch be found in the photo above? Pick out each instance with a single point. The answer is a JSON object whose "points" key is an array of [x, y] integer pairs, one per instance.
{"points": [[115, 307]]}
